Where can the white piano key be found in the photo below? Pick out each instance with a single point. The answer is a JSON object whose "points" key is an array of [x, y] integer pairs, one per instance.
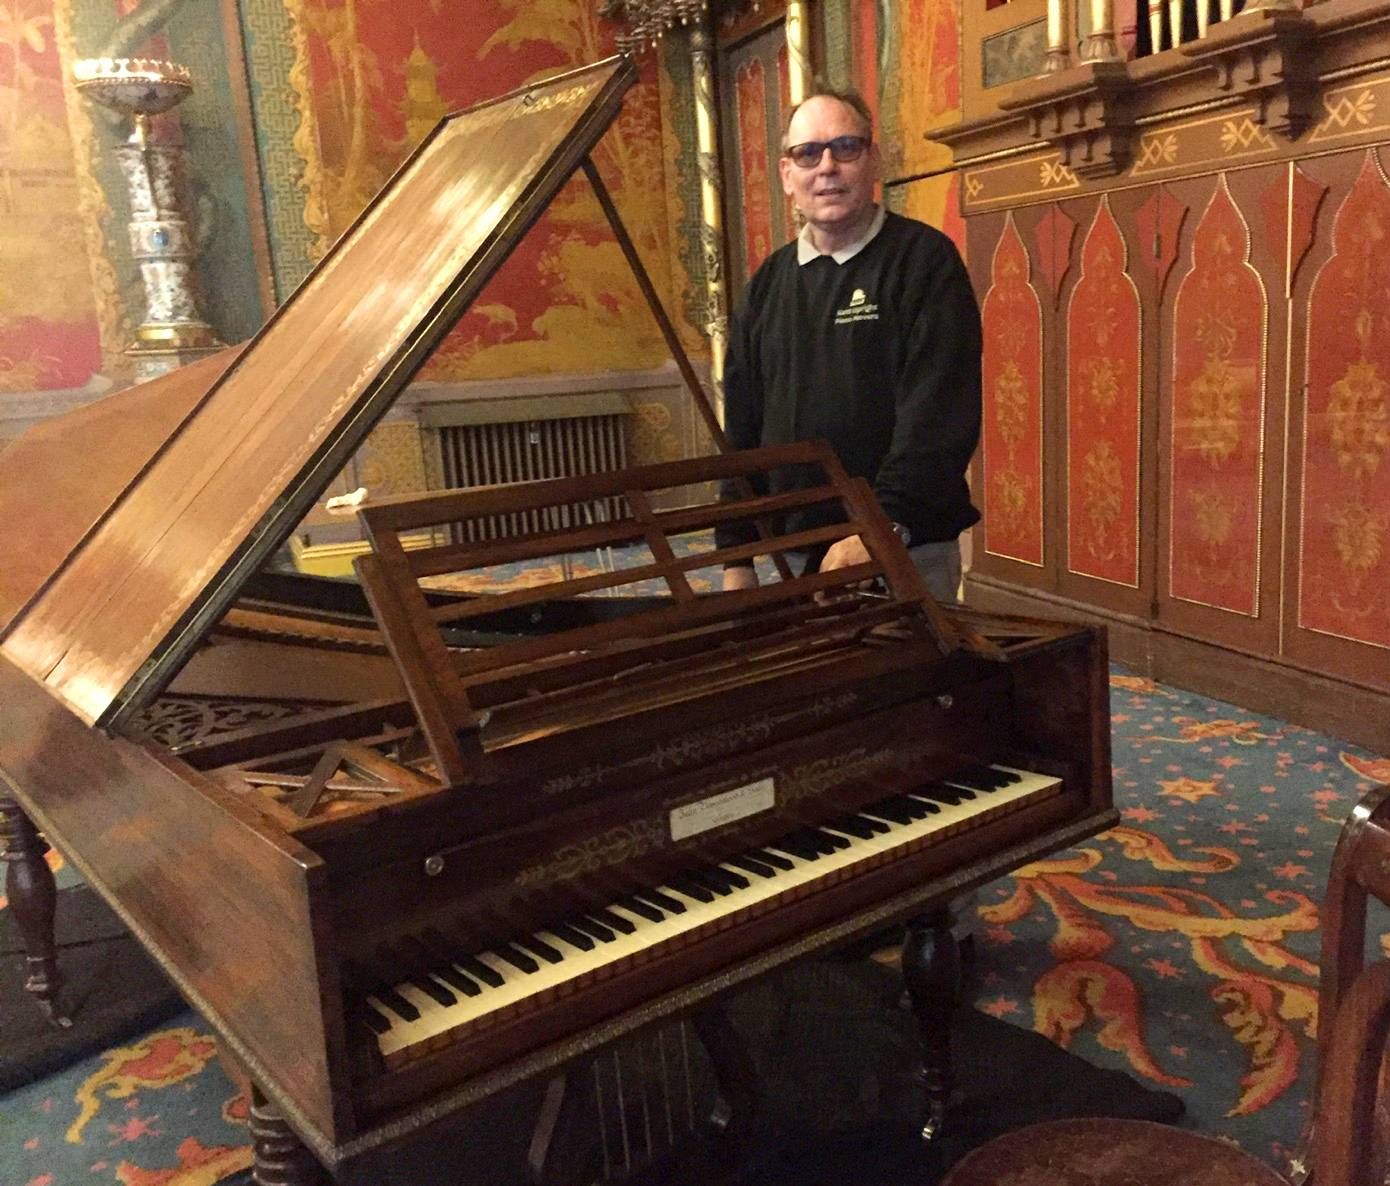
{"points": [[520, 987]]}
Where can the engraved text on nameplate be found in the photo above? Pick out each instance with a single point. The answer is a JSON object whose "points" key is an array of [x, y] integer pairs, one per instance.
{"points": [[718, 810]]}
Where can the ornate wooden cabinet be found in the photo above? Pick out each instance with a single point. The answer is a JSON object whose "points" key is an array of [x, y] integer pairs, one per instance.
{"points": [[1183, 264]]}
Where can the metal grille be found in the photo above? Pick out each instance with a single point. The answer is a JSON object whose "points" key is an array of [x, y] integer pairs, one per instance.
{"points": [[527, 450]]}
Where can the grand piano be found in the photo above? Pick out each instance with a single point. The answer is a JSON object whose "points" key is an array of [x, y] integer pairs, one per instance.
{"points": [[418, 846]]}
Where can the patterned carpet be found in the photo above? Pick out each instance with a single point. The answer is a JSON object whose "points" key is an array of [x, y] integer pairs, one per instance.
{"points": [[1181, 947]]}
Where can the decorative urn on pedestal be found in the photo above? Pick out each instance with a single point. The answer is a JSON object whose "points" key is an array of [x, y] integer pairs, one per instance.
{"points": [[173, 332]]}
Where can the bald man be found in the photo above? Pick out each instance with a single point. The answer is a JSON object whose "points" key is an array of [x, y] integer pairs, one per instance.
{"points": [[863, 332]]}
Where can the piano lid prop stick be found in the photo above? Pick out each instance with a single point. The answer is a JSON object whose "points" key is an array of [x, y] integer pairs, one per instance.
{"points": [[673, 343]]}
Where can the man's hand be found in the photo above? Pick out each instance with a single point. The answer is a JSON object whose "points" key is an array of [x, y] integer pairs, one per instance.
{"points": [[740, 576], [845, 554]]}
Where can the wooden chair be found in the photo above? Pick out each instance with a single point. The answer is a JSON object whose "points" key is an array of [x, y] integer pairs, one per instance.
{"points": [[1341, 1146]]}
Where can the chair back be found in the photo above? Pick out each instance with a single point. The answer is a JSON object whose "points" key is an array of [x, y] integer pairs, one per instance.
{"points": [[1354, 1004]]}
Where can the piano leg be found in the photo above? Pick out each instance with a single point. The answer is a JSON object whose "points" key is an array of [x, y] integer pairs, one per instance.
{"points": [[931, 971], [33, 898], [279, 1157], [734, 1072]]}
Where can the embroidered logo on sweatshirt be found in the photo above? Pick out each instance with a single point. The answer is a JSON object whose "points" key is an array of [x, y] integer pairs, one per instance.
{"points": [[860, 308]]}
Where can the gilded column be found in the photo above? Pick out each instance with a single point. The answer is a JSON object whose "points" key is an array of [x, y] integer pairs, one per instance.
{"points": [[1100, 45], [711, 204], [1058, 38], [798, 49]]}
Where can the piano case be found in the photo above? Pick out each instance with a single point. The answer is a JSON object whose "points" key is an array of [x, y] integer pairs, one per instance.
{"points": [[672, 801]]}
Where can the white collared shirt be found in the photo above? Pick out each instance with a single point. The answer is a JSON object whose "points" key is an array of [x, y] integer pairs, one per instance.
{"points": [[806, 249]]}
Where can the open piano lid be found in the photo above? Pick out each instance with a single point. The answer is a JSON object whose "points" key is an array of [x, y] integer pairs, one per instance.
{"points": [[147, 571]]}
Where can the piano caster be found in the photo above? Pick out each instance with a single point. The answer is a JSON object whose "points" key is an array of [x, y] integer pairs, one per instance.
{"points": [[279, 1157], [33, 900], [931, 972]]}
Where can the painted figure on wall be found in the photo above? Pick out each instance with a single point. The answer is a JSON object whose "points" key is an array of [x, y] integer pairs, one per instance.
{"points": [[49, 337], [378, 77]]}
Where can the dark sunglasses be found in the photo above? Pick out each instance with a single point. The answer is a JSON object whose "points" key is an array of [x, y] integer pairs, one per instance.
{"points": [[843, 149]]}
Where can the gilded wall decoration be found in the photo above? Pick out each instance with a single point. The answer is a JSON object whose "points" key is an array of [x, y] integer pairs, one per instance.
{"points": [[283, 118], [51, 331], [920, 86], [1357, 109], [690, 294], [917, 45], [1011, 441], [1344, 550], [755, 176], [1103, 322], [654, 435], [566, 301], [1216, 455], [1226, 138], [1019, 180]]}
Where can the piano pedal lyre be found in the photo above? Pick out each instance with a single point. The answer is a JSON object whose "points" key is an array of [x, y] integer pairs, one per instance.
{"points": [[652, 1108]]}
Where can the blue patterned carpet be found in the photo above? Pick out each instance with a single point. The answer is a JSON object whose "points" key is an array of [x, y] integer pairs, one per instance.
{"points": [[1181, 946]]}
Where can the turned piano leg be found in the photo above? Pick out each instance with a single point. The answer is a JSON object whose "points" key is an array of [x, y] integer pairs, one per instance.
{"points": [[734, 1073], [33, 899], [931, 971], [279, 1157]]}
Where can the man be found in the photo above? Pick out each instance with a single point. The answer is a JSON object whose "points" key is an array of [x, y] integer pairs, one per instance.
{"points": [[863, 332]]}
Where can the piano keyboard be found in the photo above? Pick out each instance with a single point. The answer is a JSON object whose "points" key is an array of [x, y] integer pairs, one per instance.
{"points": [[458, 995]]}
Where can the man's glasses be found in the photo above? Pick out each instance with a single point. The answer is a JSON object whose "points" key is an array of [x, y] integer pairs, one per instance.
{"points": [[843, 149]]}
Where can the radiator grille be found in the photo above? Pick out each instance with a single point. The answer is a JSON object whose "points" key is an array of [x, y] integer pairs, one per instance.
{"points": [[527, 450]]}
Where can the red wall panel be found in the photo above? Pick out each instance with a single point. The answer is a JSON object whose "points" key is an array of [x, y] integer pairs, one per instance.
{"points": [[1220, 315], [1103, 410], [1012, 436], [1344, 550]]}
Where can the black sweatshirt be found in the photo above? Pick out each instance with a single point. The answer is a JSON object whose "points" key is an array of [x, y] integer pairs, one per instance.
{"points": [[879, 356]]}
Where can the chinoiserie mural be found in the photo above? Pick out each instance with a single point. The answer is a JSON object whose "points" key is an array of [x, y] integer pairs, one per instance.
{"points": [[372, 77], [50, 336]]}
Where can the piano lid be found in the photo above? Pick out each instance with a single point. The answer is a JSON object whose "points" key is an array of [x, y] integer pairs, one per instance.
{"points": [[158, 566]]}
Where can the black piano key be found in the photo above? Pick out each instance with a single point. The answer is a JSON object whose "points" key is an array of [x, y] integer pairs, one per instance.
{"points": [[480, 971], [661, 901], [876, 826], [731, 877], [456, 979], [941, 793], [753, 865], [635, 905], [836, 842], [571, 936], [433, 989], [711, 879], [541, 948], [615, 922], [518, 959], [773, 859], [894, 811], [918, 808], [591, 926], [374, 1019], [994, 776], [854, 826], [801, 846], [691, 889], [988, 778], [397, 1004]]}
